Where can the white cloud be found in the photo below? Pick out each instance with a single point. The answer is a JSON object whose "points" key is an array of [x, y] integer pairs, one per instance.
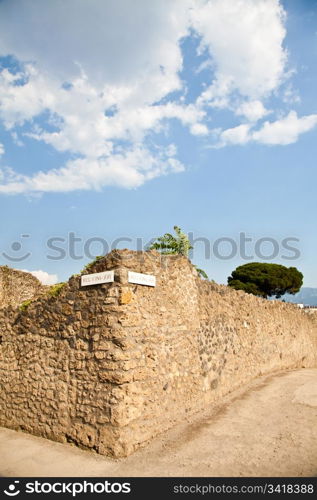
{"points": [[244, 39], [252, 110], [16, 139], [116, 41], [280, 132], [199, 129], [235, 135], [44, 277], [1, 149], [290, 95], [286, 130], [113, 70], [129, 169], [102, 74]]}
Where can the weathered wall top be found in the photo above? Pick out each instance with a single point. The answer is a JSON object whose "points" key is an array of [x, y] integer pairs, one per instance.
{"points": [[17, 286]]}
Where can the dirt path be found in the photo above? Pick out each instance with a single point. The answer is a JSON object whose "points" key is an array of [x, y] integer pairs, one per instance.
{"points": [[270, 429]]}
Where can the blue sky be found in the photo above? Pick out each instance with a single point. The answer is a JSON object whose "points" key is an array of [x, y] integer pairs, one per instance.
{"points": [[121, 119]]}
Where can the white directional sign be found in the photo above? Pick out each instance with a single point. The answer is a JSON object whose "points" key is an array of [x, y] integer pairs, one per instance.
{"points": [[97, 278], [141, 279]]}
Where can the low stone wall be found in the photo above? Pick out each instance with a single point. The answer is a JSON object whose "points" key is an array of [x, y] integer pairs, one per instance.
{"points": [[17, 286], [110, 366]]}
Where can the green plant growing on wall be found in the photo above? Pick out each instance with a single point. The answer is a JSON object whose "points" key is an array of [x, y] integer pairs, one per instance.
{"points": [[23, 307], [90, 264], [55, 290], [168, 244], [201, 272]]}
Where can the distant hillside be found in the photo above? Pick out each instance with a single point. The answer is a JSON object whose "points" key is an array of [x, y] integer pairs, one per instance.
{"points": [[307, 296]]}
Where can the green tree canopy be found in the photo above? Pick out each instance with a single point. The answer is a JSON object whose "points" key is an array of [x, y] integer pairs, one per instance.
{"points": [[266, 280]]}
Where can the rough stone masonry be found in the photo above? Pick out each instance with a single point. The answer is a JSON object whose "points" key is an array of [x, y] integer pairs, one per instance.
{"points": [[18, 286], [110, 366]]}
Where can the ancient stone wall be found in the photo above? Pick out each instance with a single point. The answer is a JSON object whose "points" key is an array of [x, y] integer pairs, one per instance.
{"points": [[110, 366], [17, 286]]}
